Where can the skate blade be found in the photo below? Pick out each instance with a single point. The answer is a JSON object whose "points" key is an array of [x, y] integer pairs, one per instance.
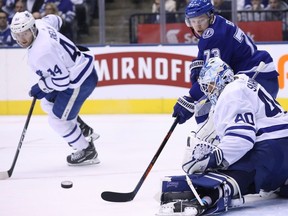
{"points": [[86, 163]]}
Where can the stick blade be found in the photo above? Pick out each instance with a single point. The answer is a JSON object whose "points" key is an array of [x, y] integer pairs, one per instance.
{"points": [[117, 197], [4, 175]]}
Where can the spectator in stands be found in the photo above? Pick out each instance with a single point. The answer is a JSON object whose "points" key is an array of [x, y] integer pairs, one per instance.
{"points": [[8, 6], [6, 39], [19, 6], [30, 5], [223, 8], [82, 16], [50, 8], [181, 9], [263, 2], [170, 8], [66, 10], [254, 13], [277, 10]]}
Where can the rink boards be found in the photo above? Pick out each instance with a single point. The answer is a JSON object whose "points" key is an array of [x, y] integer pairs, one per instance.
{"points": [[132, 79]]}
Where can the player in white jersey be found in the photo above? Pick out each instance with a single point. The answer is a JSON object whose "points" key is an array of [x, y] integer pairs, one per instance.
{"points": [[252, 154], [67, 78]]}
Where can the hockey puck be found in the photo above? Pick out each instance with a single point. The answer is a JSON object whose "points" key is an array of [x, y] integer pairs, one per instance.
{"points": [[66, 184]]}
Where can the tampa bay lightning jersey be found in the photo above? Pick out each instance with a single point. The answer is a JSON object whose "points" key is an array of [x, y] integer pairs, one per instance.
{"points": [[227, 41], [246, 114], [56, 59]]}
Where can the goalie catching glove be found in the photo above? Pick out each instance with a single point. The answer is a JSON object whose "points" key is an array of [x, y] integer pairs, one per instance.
{"points": [[203, 156], [184, 109]]}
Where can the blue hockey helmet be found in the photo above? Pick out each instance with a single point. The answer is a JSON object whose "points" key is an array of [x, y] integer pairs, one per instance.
{"points": [[213, 78], [198, 7]]}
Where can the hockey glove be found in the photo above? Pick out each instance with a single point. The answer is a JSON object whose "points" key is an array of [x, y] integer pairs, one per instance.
{"points": [[37, 92], [184, 109], [195, 69], [204, 156], [40, 89]]}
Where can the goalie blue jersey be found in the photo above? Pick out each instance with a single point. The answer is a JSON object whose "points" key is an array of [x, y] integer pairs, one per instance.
{"points": [[227, 41]]}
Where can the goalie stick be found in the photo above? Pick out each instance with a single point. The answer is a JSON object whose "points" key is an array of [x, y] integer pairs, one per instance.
{"points": [[8, 173], [125, 197]]}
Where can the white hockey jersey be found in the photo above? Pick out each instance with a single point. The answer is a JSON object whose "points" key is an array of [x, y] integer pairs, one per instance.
{"points": [[56, 59], [245, 114]]}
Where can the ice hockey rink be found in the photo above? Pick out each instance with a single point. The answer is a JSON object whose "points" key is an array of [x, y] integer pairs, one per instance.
{"points": [[126, 147]]}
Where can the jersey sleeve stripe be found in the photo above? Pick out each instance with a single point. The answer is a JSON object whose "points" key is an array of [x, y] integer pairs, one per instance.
{"points": [[245, 127], [57, 81], [241, 136], [270, 129]]}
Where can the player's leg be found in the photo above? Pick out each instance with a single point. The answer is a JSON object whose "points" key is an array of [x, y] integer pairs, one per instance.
{"points": [[87, 131], [63, 113], [85, 152]]}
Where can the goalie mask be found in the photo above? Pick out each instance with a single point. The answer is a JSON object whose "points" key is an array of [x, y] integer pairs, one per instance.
{"points": [[23, 28], [213, 78]]}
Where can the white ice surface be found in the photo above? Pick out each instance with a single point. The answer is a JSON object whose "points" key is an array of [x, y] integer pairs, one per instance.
{"points": [[126, 147]]}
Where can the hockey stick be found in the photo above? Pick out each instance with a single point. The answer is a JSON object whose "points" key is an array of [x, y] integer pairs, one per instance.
{"points": [[125, 197], [260, 67], [8, 173]]}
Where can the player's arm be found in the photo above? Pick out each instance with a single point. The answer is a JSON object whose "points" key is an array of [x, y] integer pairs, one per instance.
{"points": [[53, 20], [54, 76]]}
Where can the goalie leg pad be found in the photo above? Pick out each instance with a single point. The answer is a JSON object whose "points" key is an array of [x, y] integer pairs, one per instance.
{"points": [[208, 180], [176, 187], [226, 186]]}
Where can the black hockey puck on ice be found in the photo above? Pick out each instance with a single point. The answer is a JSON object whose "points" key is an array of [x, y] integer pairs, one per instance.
{"points": [[66, 184]]}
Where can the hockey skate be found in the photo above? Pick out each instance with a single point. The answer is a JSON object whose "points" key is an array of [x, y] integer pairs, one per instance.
{"points": [[84, 157], [87, 131], [182, 208]]}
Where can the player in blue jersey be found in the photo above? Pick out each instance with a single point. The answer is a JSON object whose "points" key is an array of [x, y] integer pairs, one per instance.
{"points": [[222, 38], [67, 78], [251, 156]]}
